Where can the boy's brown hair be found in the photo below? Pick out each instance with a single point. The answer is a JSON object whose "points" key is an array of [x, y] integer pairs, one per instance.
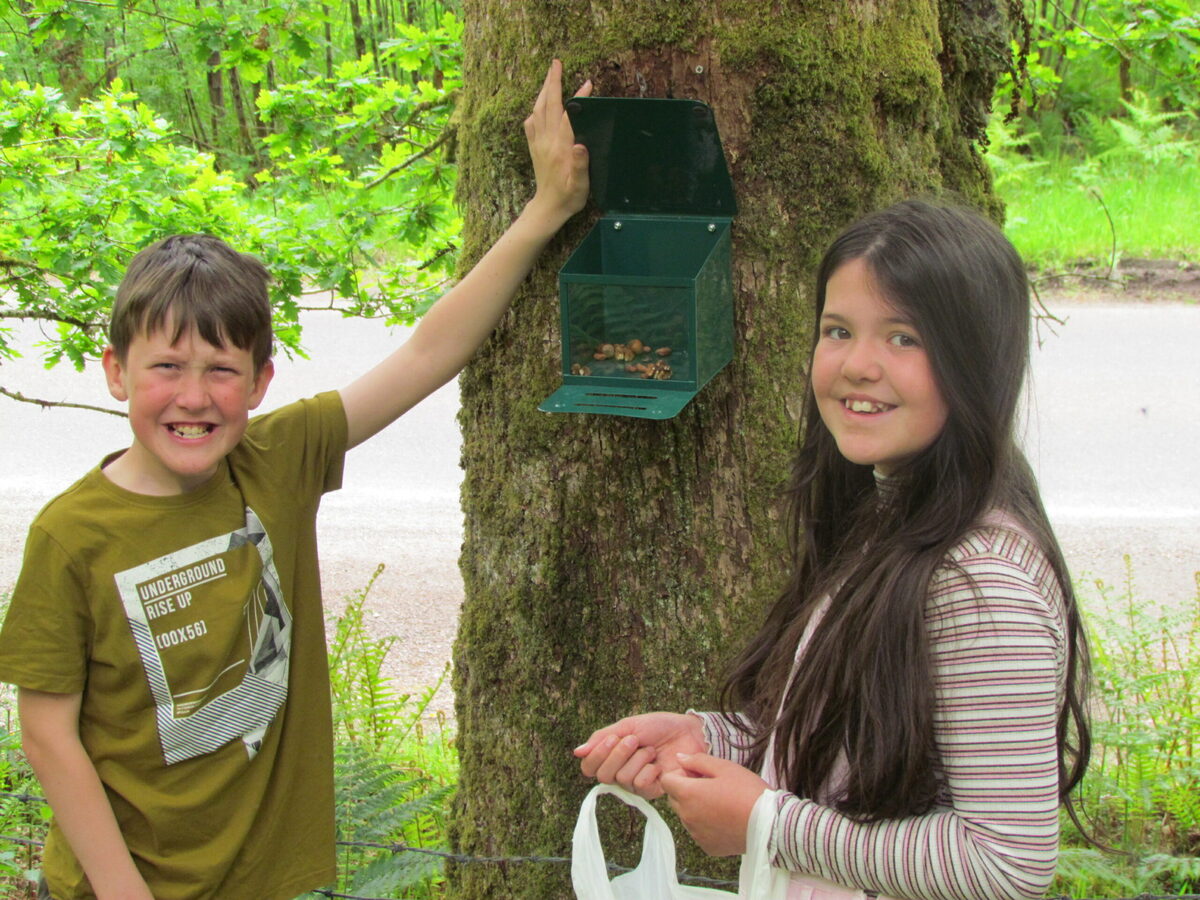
{"points": [[194, 281]]}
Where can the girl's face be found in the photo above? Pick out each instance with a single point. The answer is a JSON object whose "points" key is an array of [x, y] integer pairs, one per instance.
{"points": [[871, 376]]}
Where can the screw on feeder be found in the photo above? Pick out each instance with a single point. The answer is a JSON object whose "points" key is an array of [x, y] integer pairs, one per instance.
{"points": [[712, 227], [617, 226], [699, 70]]}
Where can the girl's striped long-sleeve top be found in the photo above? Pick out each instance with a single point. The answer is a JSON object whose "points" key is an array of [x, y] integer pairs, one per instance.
{"points": [[997, 636]]}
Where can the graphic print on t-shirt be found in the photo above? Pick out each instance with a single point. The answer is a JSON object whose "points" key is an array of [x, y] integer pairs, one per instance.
{"points": [[214, 633]]}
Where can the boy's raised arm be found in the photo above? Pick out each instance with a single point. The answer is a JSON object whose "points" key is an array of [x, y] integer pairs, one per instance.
{"points": [[50, 737], [450, 333]]}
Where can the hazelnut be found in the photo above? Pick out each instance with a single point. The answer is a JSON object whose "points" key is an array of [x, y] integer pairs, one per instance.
{"points": [[636, 346]]}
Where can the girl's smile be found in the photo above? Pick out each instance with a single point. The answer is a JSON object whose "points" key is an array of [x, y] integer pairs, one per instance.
{"points": [[872, 379]]}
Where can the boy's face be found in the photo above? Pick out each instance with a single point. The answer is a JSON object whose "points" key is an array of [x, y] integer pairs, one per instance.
{"points": [[188, 407]]}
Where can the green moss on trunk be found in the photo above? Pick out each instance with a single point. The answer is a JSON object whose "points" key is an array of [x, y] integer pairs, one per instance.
{"points": [[614, 565]]}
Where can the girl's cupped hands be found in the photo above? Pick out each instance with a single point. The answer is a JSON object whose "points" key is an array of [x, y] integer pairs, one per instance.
{"points": [[713, 799], [636, 751]]}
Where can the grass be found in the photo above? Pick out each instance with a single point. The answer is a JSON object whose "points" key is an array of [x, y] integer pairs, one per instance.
{"points": [[1059, 213], [1121, 187]]}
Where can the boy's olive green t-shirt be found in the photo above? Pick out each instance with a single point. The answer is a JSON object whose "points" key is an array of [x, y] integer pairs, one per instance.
{"points": [[192, 626]]}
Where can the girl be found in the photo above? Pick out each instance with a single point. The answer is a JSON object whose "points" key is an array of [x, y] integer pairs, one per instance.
{"points": [[918, 688]]}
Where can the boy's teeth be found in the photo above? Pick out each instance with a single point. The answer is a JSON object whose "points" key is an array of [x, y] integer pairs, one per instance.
{"points": [[190, 431]]}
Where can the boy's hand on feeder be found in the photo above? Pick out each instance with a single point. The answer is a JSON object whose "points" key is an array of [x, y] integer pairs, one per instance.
{"points": [[559, 164], [636, 751], [713, 799]]}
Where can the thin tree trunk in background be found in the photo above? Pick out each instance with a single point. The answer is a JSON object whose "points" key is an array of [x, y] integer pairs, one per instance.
{"points": [[372, 26], [67, 54], [412, 16], [614, 565], [356, 23], [216, 98], [245, 140], [325, 13], [25, 10], [111, 70], [198, 137], [1124, 80]]}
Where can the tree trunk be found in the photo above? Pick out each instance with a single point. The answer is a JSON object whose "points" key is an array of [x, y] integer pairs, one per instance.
{"points": [[111, 67], [245, 141], [216, 99], [356, 25], [328, 41], [614, 565]]}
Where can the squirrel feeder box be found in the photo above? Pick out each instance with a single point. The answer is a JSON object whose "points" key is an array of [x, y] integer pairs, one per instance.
{"points": [[647, 297]]}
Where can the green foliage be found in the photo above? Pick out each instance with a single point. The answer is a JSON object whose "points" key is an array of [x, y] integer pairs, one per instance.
{"points": [[1064, 211], [1009, 153], [1147, 661], [1088, 56], [393, 780], [350, 197], [84, 187], [203, 64], [1142, 792], [19, 816], [22, 815], [1144, 135], [382, 804]]}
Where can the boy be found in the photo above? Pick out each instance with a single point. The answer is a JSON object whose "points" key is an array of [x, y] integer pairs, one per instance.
{"points": [[165, 632]]}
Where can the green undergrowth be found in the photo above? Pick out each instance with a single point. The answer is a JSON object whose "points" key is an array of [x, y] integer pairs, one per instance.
{"points": [[1141, 796], [395, 767], [1071, 213], [23, 820], [1120, 187]]}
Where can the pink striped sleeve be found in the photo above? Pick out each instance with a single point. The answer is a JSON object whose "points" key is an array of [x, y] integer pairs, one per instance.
{"points": [[996, 635], [723, 738]]}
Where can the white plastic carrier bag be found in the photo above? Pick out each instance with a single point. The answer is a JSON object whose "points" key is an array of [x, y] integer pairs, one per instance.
{"points": [[654, 877]]}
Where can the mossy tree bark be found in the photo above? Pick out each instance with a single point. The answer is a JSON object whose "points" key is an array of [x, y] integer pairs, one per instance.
{"points": [[613, 565]]}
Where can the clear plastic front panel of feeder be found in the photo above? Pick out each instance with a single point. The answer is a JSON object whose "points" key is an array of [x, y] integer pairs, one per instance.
{"points": [[630, 332]]}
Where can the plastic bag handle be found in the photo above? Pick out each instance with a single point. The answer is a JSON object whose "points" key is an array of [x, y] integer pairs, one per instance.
{"points": [[589, 872], [757, 878]]}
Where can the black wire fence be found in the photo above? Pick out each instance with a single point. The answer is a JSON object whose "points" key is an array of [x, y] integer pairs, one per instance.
{"points": [[463, 859]]}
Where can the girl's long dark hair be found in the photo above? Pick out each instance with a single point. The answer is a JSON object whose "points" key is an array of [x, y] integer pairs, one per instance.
{"points": [[865, 685]]}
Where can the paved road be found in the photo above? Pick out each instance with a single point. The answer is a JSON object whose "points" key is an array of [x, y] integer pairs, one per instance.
{"points": [[1114, 432]]}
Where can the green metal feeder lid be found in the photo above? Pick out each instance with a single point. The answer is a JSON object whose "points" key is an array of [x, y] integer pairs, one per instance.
{"points": [[653, 156]]}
